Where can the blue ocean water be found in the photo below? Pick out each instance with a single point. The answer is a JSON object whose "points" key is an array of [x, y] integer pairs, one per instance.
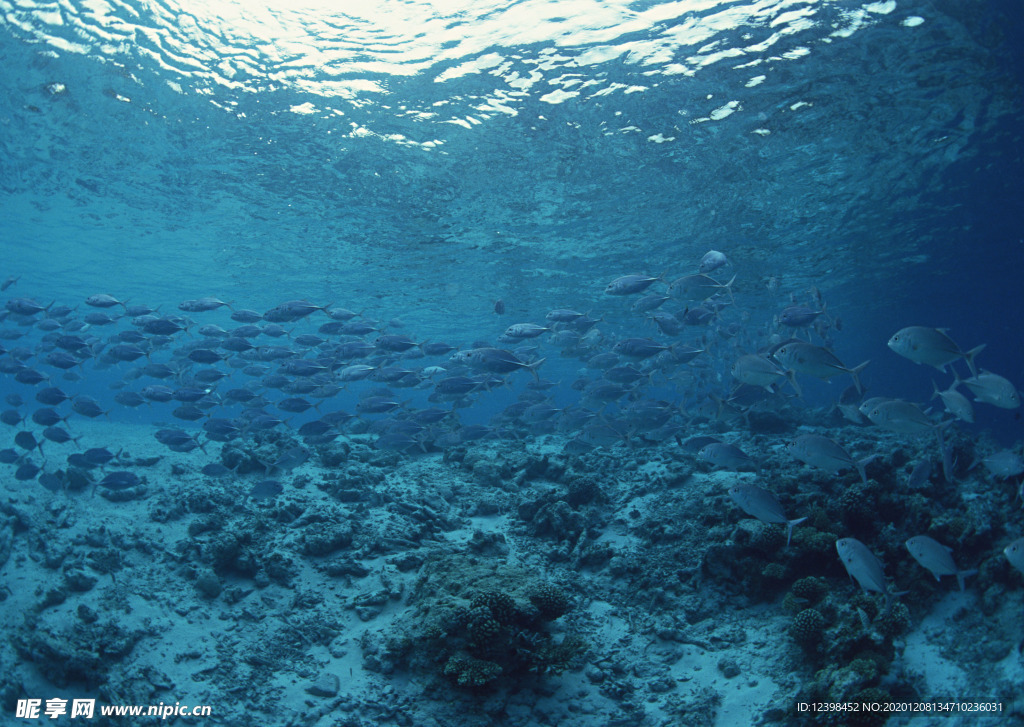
{"points": [[418, 162]]}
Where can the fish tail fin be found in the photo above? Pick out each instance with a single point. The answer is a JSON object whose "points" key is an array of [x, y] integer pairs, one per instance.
{"points": [[935, 389], [791, 378], [962, 574], [790, 524], [969, 358], [533, 367], [862, 463], [855, 373], [728, 288]]}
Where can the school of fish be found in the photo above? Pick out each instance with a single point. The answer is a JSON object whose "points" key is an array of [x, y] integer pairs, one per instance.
{"points": [[325, 372]]}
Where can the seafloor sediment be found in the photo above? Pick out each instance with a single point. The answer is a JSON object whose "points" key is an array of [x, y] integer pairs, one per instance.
{"points": [[506, 583]]}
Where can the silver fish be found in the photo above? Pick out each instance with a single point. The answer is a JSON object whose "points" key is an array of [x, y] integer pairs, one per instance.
{"points": [[823, 453], [758, 502], [919, 475], [869, 404], [799, 316], [726, 456], [902, 417], [102, 300], [647, 303], [956, 403], [288, 460], [1004, 464], [629, 284], [806, 358], [990, 388], [712, 260], [935, 557], [695, 444], [266, 490], [851, 413], [524, 330], [759, 371], [201, 305], [500, 361], [698, 287], [865, 568], [930, 346], [1014, 553]]}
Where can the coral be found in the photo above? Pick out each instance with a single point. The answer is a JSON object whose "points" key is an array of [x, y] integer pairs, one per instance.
{"points": [[471, 672], [858, 507], [483, 628], [768, 539], [808, 627], [501, 605], [866, 668], [550, 600], [477, 624], [554, 658], [865, 718], [582, 490], [814, 547], [457, 618], [895, 621], [811, 589]]}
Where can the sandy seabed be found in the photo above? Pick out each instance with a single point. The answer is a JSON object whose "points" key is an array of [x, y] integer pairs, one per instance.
{"points": [[322, 606]]}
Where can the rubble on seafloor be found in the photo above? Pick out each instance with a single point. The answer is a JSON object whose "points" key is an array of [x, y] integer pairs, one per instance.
{"points": [[506, 582]]}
